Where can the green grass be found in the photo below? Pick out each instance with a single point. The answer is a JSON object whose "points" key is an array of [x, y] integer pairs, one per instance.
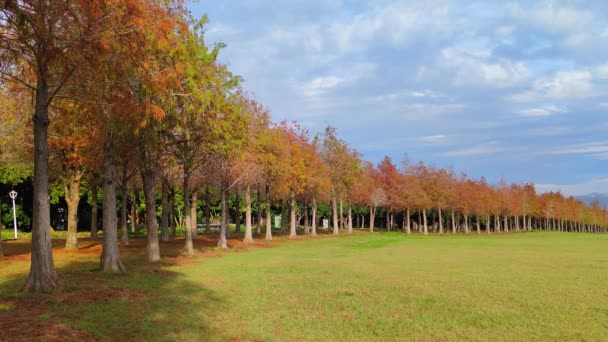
{"points": [[383, 286]]}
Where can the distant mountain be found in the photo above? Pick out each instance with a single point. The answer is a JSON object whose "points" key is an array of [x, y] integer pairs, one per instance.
{"points": [[602, 198]]}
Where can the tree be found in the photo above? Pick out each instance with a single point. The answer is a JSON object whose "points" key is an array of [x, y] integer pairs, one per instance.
{"points": [[41, 46]]}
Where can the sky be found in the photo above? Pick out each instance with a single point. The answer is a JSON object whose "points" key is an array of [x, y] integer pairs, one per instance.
{"points": [[501, 89]]}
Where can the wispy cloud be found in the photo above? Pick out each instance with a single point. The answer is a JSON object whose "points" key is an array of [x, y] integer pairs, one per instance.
{"points": [[542, 111], [479, 150], [595, 185], [564, 85]]}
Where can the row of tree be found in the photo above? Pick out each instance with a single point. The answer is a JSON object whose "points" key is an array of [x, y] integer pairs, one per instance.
{"points": [[127, 94]]}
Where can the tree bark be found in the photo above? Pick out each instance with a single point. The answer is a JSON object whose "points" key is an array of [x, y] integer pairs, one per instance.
{"points": [[478, 224], [335, 214], [284, 216], [223, 243], [506, 224], [110, 255], [440, 222], [314, 218], [123, 210], [306, 221], [259, 213], [350, 218], [453, 223], [42, 276], [194, 215], [248, 229], [188, 244], [133, 211], [172, 221], [164, 221], [372, 218], [341, 216], [466, 224], [94, 211], [292, 218], [237, 213], [425, 227], [488, 226], [72, 198], [148, 178], [408, 226], [268, 213]]}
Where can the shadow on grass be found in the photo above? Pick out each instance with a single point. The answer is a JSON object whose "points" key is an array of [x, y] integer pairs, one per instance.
{"points": [[149, 302]]}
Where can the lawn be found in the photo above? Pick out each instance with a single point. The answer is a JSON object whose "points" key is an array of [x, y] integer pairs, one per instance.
{"points": [[381, 286]]}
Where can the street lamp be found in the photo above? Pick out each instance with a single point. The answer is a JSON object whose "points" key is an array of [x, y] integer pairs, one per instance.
{"points": [[13, 195]]}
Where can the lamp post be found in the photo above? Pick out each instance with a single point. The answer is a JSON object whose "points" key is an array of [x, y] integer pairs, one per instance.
{"points": [[13, 195]]}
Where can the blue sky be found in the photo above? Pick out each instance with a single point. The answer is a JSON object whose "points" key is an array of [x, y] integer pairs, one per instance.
{"points": [[517, 90]]}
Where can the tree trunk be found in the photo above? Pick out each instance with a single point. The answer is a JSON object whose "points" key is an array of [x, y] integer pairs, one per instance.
{"points": [[506, 224], [123, 210], [466, 224], [488, 227], [306, 222], [314, 217], [248, 229], [341, 217], [284, 214], [335, 214], [133, 211], [110, 254], [188, 244], [237, 213], [72, 198], [194, 215], [292, 218], [372, 218], [148, 178], [172, 220], [408, 226], [42, 276], [164, 221], [478, 225], [440, 222], [223, 243], [268, 213], [259, 213], [517, 223], [425, 227], [350, 218], [453, 223], [94, 211]]}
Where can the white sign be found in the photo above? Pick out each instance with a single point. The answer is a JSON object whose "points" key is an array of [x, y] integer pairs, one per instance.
{"points": [[325, 224]]}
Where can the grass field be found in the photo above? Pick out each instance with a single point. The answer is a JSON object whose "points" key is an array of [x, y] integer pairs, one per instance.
{"points": [[383, 286]]}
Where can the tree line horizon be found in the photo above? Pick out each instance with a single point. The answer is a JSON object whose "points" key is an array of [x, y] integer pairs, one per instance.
{"points": [[128, 96]]}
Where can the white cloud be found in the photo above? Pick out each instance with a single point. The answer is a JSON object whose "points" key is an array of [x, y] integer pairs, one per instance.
{"points": [[542, 111], [485, 149], [597, 150], [596, 185], [438, 139], [552, 16], [480, 67], [418, 110], [397, 24], [601, 71], [321, 85], [564, 85]]}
